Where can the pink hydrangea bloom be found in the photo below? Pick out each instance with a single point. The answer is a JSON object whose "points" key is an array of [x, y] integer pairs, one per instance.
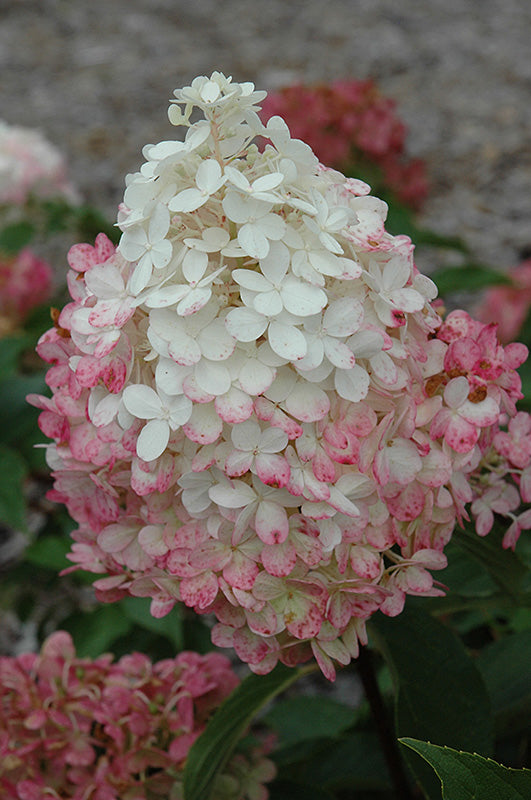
{"points": [[25, 282], [256, 409], [79, 728], [30, 166], [349, 123], [509, 305]]}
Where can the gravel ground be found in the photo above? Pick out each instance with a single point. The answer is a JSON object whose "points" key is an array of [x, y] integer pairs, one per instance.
{"points": [[96, 77]]}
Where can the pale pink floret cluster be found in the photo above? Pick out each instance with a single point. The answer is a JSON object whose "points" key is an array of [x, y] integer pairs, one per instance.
{"points": [[30, 166], [86, 729], [26, 281], [256, 409]]}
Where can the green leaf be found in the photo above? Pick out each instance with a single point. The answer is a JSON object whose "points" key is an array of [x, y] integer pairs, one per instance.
{"points": [[170, 626], [18, 420], [49, 552], [94, 632], [300, 718], [504, 566], [90, 222], [505, 667], [16, 236], [440, 695], [12, 500], [291, 790], [467, 278], [213, 748], [11, 348], [467, 776], [355, 762]]}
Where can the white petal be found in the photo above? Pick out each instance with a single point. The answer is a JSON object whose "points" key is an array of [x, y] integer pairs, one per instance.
{"points": [[208, 176], [253, 241], [302, 299], [142, 401], [184, 350], [407, 300], [153, 439], [272, 226], [180, 409], [352, 384], [237, 179], [236, 207], [267, 182], [234, 406], [255, 377], [396, 273], [276, 263], [212, 376], [161, 253], [307, 402], [456, 392], [273, 440], [384, 368], [338, 353], [106, 410], [187, 200], [194, 265], [268, 303], [366, 344], [343, 317], [236, 496], [212, 240], [166, 296], [250, 279], [215, 341], [287, 341], [330, 243], [169, 376], [140, 276], [194, 301], [105, 281], [204, 426], [245, 324], [159, 223], [246, 436], [197, 135]]}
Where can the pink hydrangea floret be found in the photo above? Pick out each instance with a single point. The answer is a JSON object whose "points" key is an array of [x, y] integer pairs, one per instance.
{"points": [[256, 409], [81, 728]]}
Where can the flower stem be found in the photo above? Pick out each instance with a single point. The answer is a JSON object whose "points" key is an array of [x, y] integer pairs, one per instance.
{"points": [[384, 729]]}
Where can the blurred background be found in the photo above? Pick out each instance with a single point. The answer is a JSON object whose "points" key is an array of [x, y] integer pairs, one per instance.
{"points": [[96, 79]]}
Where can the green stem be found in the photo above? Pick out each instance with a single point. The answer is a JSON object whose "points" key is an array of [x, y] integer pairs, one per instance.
{"points": [[384, 729]]}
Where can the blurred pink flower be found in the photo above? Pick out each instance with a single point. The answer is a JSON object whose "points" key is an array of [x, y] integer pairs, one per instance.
{"points": [[76, 728], [30, 166], [25, 282], [508, 306], [350, 124]]}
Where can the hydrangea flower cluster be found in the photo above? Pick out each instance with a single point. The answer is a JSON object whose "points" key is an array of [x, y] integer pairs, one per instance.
{"points": [[256, 408], [30, 166], [509, 305], [351, 123], [25, 282], [87, 729]]}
